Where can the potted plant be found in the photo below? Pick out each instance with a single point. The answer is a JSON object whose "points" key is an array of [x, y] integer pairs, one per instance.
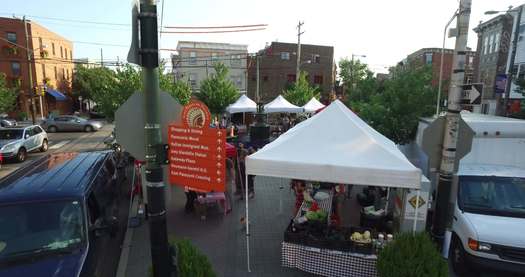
{"points": [[10, 50], [44, 54], [411, 256]]}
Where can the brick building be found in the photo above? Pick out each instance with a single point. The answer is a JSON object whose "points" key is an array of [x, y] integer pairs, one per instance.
{"points": [[277, 69], [432, 57], [51, 62]]}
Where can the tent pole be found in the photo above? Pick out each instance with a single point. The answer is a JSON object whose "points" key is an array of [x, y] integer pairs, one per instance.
{"points": [[415, 213], [247, 223], [280, 195], [387, 199]]}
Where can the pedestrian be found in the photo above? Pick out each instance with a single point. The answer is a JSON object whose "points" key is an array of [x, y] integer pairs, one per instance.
{"points": [[191, 196], [241, 172]]}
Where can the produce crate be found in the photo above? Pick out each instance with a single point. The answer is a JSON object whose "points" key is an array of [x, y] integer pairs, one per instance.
{"points": [[297, 237], [362, 248]]}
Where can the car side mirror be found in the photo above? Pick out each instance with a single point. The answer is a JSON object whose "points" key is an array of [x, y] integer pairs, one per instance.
{"points": [[26, 136], [77, 121]]}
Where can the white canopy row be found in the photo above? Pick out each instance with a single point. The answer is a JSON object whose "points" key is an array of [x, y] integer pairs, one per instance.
{"points": [[278, 105]]}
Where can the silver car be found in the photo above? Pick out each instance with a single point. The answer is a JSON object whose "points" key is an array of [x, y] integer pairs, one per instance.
{"points": [[17, 142], [70, 123]]}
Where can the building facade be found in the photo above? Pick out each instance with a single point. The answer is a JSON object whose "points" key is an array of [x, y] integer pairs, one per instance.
{"points": [[195, 60], [277, 69], [432, 57], [494, 45], [50, 61]]}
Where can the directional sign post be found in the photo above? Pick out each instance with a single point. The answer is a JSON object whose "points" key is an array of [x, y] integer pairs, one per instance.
{"points": [[472, 94]]}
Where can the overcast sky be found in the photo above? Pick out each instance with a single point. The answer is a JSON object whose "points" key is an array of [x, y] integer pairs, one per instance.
{"points": [[386, 31]]}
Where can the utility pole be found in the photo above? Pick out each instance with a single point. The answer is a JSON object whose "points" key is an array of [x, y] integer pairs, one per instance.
{"points": [[505, 110], [155, 151], [30, 73], [299, 33], [257, 98], [440, 82], [101, 58], [446, 198]]}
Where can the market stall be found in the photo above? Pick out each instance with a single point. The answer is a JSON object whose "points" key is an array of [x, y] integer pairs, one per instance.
{"points": [[281, 105], [242, 105], [334, 147], [313, 105]]}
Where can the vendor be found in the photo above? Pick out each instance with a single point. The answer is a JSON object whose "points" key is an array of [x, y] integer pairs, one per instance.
{"points": [[299, 187], [339, 199]]}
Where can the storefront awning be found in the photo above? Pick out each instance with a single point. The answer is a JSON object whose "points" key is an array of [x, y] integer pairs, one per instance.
{"points": [[59, 96]]}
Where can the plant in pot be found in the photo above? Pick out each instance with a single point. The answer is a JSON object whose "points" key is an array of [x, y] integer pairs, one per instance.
{"points": [[44, 54], [411, 256], [10, 50]]}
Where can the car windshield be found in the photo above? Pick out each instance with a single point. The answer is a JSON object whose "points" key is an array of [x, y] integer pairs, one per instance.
{"points": [[11, 134], [503, 196], [31, 228]]}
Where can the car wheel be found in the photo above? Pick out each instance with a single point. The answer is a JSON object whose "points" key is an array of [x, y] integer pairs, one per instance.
{"points": [[52, 129], [88, 128], [457, 257], [21, 155], [44, 146]]}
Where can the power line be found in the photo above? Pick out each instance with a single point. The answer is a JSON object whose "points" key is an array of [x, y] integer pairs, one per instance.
{"points": [[216, 27], [213, 32], [72, 20]]}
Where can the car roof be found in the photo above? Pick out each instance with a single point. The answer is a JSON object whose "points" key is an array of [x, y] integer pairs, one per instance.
{"points": [[55, 176], [491, 170], [19, 127]]}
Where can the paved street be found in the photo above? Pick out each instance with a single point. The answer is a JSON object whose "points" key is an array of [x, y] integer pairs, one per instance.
{"points": [[64, 142]]}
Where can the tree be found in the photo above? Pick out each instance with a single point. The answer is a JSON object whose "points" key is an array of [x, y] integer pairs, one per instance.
{"points": [[301, 92], [180, 89], [217, 91], [352, 73], [394, 109], [7, 96], [82, 82]]}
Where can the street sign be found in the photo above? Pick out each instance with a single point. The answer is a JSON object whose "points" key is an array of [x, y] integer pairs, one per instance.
{"points": [[197, 152], [432, 142], [472, 94], [129, 122]]}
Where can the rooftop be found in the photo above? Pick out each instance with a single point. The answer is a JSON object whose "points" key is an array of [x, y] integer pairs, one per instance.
{"points": [[211, 45], [55, 176]]}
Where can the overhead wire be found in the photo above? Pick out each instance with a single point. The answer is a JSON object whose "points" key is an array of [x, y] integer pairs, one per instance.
{"points": [[216, 27], [213, 32]]}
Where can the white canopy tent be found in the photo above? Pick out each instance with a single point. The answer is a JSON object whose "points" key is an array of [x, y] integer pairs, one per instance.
{"points": [[313, 105], [333, 146], [242, 105], [281, 105]]}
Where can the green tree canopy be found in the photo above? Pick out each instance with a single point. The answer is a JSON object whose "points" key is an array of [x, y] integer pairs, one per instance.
{"points": [[217, 91], [178, 89], [7, 96], [395, 107], [357, 79], [301, 92]]}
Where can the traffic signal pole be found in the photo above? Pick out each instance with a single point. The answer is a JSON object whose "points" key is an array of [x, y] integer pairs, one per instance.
{"points": [[446, 195], [149, 53]]}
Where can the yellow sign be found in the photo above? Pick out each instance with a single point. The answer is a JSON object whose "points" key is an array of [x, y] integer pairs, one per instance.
{"points": [[413, 201]]}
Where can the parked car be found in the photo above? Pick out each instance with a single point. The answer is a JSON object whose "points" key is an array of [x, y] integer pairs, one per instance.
{"points": [[70, 123], [7, 122], [63, 215], [17, 142]]}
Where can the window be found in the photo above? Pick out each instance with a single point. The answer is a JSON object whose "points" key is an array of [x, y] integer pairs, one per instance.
{"points": [[65, 53], [235, 60], [290, 78], [40, 44], [318, 79], [285, 55], [56, 73], [71, 54], [53, 48], [15, 68], [214, 58], [11, 37], [193, 79], [237, 81], [63, 73], [37, 130], [496, 43], [316, 59], [485, 45], [193, 58], [428, 58], [61, 52], [521, 73], [67, 74], [44, 70], [491, 44]]}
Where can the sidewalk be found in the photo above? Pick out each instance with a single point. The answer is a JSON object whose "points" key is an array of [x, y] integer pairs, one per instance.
{"points": [[222, 238]]}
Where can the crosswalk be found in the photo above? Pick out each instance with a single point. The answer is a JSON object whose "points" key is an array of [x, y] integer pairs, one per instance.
{"points": [[58, 145]]}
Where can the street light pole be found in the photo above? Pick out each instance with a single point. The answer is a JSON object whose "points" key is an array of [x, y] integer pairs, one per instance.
{"points": [[299, 33], [441, 63], [30, 73]]}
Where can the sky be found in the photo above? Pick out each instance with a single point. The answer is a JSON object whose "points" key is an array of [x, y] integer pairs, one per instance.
{"points": [[386, 31]]}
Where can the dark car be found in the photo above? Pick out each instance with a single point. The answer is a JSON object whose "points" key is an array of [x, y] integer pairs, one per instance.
{"points": [[63, 215]]}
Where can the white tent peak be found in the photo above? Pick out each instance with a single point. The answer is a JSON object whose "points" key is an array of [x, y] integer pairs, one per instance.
{"points": [[313, 105], [335, 146], [243, 105], [281, 105]]}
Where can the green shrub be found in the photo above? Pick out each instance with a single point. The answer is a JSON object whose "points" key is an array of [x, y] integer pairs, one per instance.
{"points": [[411, 256], [190, 262]]}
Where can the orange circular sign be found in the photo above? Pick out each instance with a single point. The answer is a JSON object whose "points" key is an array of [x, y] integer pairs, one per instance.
{"points": [[196, 115]]}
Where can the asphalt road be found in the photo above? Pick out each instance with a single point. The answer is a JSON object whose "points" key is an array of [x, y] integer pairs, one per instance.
{"points": [[64, 142]]}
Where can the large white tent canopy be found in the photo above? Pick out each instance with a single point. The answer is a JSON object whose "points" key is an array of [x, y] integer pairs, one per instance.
{"points": [[281, 105], [335, 146], [242, 105], [313, 105]]}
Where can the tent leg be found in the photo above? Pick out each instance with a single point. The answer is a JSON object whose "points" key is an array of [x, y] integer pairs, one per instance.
{"points": [[415, 213], [387, 199], [281, 196], [247, 221]]}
